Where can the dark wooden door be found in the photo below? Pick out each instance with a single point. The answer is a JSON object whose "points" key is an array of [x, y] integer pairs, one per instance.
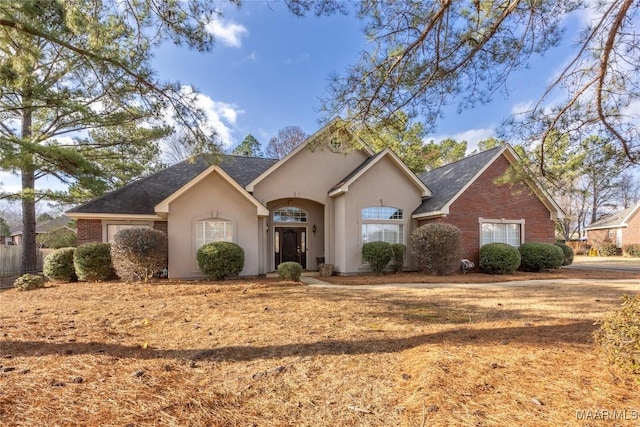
{"points": [[290, 245]]}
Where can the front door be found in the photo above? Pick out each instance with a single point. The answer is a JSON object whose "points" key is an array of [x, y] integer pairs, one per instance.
{"points": [[290, 244]]}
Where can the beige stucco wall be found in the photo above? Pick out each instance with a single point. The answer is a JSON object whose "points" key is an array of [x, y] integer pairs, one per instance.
{"points": [[304, 181], [212, 197], [384, 184], [309, 174]]}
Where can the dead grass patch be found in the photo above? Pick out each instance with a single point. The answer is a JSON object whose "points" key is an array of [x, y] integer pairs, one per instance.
{"points": [[271, 353]]}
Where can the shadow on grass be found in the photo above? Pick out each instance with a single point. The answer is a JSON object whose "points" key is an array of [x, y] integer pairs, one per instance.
{"points": [[576, 333]]}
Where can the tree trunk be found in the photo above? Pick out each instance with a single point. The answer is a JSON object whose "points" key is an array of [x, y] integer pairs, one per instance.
{"points": [[29, 249]]}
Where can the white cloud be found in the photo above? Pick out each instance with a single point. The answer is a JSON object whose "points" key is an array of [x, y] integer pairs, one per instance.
{"points": [[521, 107], [228, 32], [9, 183], [472, 136], [220, 116]]}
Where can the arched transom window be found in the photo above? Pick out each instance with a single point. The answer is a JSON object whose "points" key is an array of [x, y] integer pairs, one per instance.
{"points": [[382, 223], [289, 214]]}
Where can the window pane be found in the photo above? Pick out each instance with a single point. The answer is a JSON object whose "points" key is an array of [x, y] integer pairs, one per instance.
{"points": [[382, 212], [390, 233], [500, 233], [213, 231], [289, 214]]}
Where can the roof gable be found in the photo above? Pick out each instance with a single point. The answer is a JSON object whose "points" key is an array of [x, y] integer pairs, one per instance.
{"points": [[343, 186], [336, 123], [163, 207], [449, 182], [617, 220], [140, 197]]}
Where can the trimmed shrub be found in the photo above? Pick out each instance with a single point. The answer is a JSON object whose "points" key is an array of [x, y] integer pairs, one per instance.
{"points": [[567, 251], [290, 271], [631, 250], [92, 262], [58, 265], [540, 256], [378, 255], [607, 249], [27, 282], [619, 336], [218, 260], [436, 248], [499, 258], [139, 253], [398, 250]]}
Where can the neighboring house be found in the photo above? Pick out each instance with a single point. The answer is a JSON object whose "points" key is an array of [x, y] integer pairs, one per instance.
{"points": [[321, 202], [622, 228], [63, 222]]}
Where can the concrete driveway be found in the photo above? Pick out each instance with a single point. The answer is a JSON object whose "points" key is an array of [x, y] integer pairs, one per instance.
{"points": [[616, 263]]}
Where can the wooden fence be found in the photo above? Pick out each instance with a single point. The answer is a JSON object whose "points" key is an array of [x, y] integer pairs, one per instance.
{"points": [[10, 262]]}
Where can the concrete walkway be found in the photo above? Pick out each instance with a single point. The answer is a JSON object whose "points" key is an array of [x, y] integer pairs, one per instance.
{"points": [[316, 282], [580, 262], [616, 263]]}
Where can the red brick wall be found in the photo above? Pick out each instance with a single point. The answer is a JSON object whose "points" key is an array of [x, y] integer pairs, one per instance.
{"points": [[89, 230], [160, 226], [631, 234], [487, 199]]}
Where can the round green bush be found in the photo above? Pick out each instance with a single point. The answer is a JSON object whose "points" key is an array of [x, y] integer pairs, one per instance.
{"points": [[27, 282], [218, 260], [540, 256], [378, 255], [139, 253], [398, 250], [290, 271], [567, 251], [92, 262], [58, 265], [619, 336], [436, 248], [499, 258]]}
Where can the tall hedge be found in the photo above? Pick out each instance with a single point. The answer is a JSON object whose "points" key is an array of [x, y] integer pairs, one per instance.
{"points": [[568, 253], [218, 260], [398, 250], [139, 253], [499, 258], [436, 248], [378, 255], [58, 265], [92, 262], [540, 256]]}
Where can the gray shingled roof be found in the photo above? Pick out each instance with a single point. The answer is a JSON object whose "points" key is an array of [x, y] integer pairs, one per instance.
{"points": [[447, 181], [141, 196], [46, 227], [612, 221]]}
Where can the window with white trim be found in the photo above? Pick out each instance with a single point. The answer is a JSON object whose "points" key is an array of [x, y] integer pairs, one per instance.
{"points": [[501, 231], [382, 224], [112, 229], [213, 230], [289, 214]]}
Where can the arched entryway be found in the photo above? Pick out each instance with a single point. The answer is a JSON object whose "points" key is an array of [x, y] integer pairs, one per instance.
{"points": [[297, 230]]}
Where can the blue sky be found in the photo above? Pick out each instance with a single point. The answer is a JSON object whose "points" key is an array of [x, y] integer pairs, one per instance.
{"points": [[269, 70]]}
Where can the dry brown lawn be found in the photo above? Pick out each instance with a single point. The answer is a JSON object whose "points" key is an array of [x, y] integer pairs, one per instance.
{"points": [[266, 353]]}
